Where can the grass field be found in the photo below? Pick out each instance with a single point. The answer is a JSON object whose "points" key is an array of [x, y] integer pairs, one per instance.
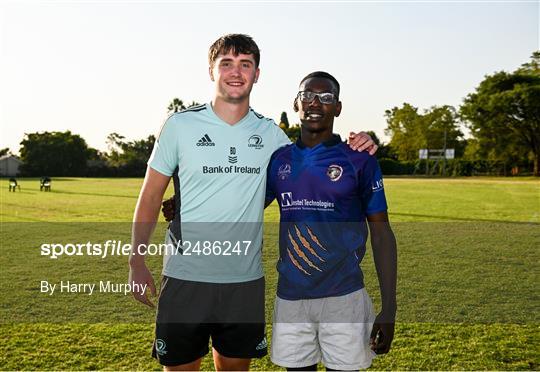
{"points": [[467, 290]]}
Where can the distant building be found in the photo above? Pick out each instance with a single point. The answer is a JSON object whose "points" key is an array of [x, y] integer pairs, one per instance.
{"points": [[9, 166]]}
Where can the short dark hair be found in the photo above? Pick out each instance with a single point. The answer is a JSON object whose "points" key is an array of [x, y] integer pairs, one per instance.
{"points": [[322, 75], [235, 43]]}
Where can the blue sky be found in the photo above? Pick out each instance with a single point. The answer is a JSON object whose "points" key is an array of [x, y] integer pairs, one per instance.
{"points": [[100, 67]]}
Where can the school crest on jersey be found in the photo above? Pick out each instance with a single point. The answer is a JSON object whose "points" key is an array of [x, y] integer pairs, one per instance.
{"points": [[334, 172]]}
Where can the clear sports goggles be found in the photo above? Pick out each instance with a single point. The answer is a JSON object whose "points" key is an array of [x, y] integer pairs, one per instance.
{"points": [[326, 98]]}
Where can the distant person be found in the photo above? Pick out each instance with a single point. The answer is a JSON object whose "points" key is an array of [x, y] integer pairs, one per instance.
{"points": [[13, 185], [45, 184], [217, 154], [326, 192]]}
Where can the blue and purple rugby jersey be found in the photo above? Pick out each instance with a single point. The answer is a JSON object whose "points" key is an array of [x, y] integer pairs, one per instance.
{"points": [[324, 195]]}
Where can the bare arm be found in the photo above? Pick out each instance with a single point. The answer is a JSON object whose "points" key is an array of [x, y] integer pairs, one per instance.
{"points": [[144, 222], [385, 257]]}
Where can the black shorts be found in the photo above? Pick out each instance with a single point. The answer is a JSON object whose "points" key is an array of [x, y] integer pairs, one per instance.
{"points": [[191, 313]]}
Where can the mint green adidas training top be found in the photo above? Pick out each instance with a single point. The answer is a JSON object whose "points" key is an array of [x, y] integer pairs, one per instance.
{"points": [[222, 181]]}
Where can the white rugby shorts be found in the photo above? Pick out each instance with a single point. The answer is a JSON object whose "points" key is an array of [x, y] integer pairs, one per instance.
{"points": [[334, 330]]}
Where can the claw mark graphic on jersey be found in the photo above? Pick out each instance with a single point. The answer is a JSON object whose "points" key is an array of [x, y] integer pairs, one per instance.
{"points": [[314, 238], [306, 244], [295, 263], [302, 254]]}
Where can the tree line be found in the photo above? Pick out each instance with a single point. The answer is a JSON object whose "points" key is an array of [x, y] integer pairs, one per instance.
{"points": [[502, 116], [68, 154]]}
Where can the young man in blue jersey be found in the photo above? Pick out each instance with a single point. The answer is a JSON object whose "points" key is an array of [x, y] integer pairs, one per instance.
{"points": [[217, 154], [326, 192]]}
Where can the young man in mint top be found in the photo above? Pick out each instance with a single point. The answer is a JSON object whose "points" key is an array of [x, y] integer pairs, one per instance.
{"points": [[221, 184], [327, 195], [217, 155]]}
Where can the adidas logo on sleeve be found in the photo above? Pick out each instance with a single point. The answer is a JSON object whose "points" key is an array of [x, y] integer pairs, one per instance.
{"points": [[205, 141]]}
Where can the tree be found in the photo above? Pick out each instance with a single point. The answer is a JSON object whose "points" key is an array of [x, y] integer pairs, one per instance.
{"points": [[532, 67], [293, 132], [129, 157], [193, 103], [5, 151], [442, 129], [411, 131], [405, 128], [54, 154], [472, 150], [175, 105], [284, 121], [503, 114], [114, 143]]}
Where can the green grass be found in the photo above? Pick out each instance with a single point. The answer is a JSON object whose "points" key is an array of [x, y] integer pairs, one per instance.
{"points": [[467, 290], [410, 199]]}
